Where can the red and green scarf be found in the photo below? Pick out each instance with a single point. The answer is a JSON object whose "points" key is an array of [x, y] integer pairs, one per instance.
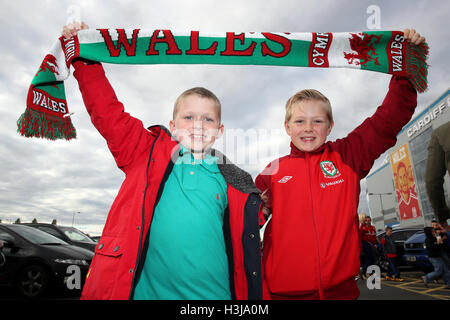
{"points": [[47, 114]]}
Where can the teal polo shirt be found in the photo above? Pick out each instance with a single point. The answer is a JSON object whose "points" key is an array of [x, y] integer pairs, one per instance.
{"points": [[186, 257]]}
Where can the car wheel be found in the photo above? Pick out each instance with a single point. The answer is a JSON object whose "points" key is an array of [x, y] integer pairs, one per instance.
{"points": [[32, 282]]}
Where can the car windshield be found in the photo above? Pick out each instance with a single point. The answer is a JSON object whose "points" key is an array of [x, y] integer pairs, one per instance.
{"points": [[75, 234], [35, 236]]}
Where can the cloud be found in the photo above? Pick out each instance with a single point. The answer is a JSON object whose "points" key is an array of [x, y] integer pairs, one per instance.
{"points": [[45, 180]]}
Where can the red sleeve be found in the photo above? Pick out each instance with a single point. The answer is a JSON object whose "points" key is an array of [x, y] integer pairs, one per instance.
{"points": [[125, 135], [262, 182], [378, 133], [361, 231]]}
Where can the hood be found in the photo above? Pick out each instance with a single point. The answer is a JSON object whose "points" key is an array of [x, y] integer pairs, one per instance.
{"points": [[86, 245], [416, 238], [68, 251]]}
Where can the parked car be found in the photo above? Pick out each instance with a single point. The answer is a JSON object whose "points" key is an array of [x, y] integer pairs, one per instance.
{"points": [[416, 252], [399, 236], [36, 261], [70, 235], [96, 239]]}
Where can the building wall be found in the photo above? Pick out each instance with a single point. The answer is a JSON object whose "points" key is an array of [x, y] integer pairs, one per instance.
{"points": [[381, 194]]}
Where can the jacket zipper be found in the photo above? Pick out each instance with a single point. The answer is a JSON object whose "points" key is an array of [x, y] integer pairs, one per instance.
{"points": [[139, 260], [142, 219], [321, 293]]}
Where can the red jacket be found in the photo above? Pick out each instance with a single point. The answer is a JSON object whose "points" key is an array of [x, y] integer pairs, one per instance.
{"points": [[368, 233], [311, 245], [145, 158]]}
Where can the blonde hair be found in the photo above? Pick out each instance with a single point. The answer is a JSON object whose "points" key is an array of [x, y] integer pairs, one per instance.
{"points": [[307, 94], [361, 217], [202, 93]]}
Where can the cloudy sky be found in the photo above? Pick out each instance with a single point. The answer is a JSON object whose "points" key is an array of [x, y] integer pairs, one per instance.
{"points": [[78, 179]]}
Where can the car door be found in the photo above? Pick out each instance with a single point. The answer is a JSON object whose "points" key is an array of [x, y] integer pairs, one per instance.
{"points": [[12, 253], [54, 232]]}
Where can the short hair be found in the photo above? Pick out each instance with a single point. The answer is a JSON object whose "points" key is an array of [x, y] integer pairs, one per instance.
{"points": [[361, 217], [201, 92], [388, 228], [308, 94]]}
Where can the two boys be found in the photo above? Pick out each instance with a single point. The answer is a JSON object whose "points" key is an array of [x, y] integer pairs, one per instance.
{"points": [[311, 244]]}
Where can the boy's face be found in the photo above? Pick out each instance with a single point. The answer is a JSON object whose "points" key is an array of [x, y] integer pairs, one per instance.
{"points": [[309, 125], [388, 232], [196, 124]]}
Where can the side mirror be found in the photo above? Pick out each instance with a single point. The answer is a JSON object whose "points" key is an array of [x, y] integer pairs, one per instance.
{"points": [[8, 244]]}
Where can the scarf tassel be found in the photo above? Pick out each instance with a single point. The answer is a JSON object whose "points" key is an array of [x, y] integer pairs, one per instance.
{"points": [[416, 65], [43, 125]]}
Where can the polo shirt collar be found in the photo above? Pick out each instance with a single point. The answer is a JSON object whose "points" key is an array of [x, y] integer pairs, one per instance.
{"points": [[209, 162]]}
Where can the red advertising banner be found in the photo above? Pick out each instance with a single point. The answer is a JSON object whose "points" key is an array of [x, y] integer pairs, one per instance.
{"points": [[405, 185]]}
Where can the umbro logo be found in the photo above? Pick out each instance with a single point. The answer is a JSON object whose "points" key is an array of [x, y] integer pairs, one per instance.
{"points": [[285, 179]]}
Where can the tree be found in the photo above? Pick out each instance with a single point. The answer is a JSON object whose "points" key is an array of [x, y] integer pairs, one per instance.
{"points": [[34, 221], [54, 221], [17, 221]]}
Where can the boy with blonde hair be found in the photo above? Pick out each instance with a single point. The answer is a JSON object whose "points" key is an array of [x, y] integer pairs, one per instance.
{"points": [[185, 223], [311, 244]]}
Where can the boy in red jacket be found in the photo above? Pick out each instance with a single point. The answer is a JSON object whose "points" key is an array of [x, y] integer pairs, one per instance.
{"points": [[311, 244], [184, 224]]}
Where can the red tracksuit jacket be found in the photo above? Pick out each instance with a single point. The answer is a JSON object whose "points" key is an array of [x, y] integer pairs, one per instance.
{"points": [[311, 244], [145, 158], [368, 234]]}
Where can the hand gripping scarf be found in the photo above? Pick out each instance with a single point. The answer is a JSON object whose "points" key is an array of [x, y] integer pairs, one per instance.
{"points": [[47, 115]]}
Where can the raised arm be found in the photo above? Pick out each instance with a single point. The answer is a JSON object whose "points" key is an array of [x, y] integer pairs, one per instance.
{"points": [[379, 133], [125, 135]]}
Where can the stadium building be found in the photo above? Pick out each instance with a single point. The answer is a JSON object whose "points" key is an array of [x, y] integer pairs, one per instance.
{"points": [[396, 191]]}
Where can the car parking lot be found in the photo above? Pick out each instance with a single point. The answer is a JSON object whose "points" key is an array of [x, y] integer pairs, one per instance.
{"points": [[412, 288], [35, 263]]}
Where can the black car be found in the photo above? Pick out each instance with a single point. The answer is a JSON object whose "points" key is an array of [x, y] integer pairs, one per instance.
{"points": [[96, 239], [70, 235], [399, 236], [36, 261]]}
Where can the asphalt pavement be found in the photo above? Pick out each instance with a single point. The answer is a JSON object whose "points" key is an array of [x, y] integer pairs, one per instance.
{"points": [[412, 288]]}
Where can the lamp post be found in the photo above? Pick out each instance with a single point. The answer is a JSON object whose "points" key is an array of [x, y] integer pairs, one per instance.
{"points": [[73, 216]]}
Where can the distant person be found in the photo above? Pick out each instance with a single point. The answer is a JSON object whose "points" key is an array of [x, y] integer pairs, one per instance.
{"points": [[390, 252], [438, 164], [369, 241], [435, 247], [441, 232], [361, 218]]}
